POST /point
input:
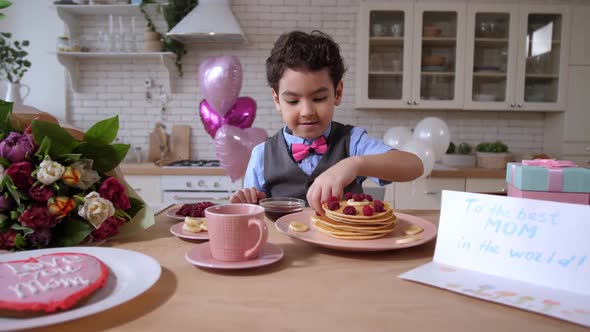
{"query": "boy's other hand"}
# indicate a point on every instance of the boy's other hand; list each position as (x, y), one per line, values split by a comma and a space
(331, 183)
(248, 195)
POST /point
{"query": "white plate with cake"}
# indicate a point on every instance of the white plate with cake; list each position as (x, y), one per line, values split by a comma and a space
(127, 274)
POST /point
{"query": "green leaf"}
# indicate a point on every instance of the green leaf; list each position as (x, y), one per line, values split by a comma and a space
(61, 141)
(106, 157)
(19, 227)
(68, 158)
(4, 162)
(2, 16)
(20, 242)
(71, 231)
(104, 131)
(136, 206)
(43, 148)
(7, 184)
(4, 4)
(5, 222)
(5, 111)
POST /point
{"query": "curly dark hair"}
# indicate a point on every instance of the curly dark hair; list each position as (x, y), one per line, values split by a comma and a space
(304, 51)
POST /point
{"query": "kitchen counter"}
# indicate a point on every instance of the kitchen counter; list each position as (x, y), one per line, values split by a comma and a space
(152, 169)
(310, 289)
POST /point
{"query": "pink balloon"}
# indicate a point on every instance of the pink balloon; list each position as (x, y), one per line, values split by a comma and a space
(241, 115)
(233, 146)
(220, 81)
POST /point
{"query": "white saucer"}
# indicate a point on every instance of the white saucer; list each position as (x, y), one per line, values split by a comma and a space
(200, 255)
(177, 230)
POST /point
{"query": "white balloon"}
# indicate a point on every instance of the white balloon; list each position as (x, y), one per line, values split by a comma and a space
(424, 151)
(435, 132)
(396, 137)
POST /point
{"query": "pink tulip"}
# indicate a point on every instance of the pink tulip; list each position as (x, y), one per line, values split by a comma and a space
(16, 147)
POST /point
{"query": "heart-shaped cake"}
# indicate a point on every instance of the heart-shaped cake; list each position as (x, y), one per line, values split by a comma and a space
(49, 283)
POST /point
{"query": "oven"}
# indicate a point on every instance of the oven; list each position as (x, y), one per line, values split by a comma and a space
(183, 189)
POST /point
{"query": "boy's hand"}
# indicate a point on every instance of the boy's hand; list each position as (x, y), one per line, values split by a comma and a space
(332, 183)
(248, 195)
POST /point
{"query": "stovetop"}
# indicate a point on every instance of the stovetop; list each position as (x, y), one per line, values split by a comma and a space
(194, 163)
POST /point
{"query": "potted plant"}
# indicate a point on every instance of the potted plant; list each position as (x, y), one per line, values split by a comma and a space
(13, 65)
(173, 12)
(492, 155)
(459, 156)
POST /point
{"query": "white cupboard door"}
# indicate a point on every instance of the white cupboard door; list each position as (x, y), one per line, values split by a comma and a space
(580, 43)
(544, 34)
(577, 116)
(425, 194)
(148, 187)
(439, 55)
(384, 54)
(491, 52)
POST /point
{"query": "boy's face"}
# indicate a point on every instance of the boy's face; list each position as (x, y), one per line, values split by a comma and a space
(306, 101)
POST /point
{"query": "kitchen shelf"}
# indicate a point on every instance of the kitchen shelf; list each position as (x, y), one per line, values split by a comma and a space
(386, 41)
(439, 41)
(491, 42)
(70, 13)
(71, 60)
(386, 73)
(542, 76)
(438, 73)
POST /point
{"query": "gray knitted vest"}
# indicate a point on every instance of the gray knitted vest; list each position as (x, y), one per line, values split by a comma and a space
(282, 175)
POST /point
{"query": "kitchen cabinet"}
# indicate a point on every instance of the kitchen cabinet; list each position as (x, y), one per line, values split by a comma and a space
(71, 15)
(148, 187)
(580, 43)
(576, 134)
(485, 185)
(424, 194)
(410, 55)
(517, 57)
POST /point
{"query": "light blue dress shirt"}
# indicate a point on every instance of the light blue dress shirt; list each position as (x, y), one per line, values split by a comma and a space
(361, 144)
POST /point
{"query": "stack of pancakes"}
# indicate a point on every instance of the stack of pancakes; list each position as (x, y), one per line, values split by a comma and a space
(356, 227)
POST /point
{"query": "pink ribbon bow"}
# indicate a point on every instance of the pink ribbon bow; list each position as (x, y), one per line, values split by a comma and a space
(549, 163)
(301, 151)
(555, 181)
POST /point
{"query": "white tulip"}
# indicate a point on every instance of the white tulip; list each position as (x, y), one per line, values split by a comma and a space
(49, 171)
(96, 209)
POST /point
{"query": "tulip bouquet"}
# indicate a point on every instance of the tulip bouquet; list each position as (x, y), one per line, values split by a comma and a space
(57, 190)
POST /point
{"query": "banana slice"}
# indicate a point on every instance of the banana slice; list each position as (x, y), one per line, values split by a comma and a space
(352, 202)
(406, 240)
(298, 227)
(413, 230)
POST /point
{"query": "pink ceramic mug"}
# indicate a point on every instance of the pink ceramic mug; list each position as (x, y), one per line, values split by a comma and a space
(237, 232)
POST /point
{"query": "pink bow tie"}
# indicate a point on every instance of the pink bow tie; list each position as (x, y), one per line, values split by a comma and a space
(300, 151)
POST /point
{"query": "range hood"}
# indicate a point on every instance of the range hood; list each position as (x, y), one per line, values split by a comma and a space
(211, 21)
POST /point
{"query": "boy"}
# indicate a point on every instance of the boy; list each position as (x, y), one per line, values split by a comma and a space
(305, 73)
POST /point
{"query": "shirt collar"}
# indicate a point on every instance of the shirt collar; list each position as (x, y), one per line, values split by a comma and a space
(290, 138)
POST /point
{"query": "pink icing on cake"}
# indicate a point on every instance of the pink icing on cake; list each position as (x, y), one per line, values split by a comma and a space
(50, 282)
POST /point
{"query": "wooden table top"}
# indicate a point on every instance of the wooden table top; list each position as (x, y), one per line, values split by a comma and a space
(310, 289)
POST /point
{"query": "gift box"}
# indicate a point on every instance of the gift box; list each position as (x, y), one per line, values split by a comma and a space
(548, 175)
(563, 197)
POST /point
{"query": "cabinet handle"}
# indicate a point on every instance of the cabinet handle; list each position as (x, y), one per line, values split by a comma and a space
(512, 105)
(137, 189)
(519, 105)
(503, 190)
(588, 148)
(415, 102)
(409, 102)
(431, 192)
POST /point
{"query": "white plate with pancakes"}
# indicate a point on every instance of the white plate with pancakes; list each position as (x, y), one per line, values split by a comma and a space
(396, 239)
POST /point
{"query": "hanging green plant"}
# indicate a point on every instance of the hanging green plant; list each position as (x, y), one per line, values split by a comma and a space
(173, 12)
